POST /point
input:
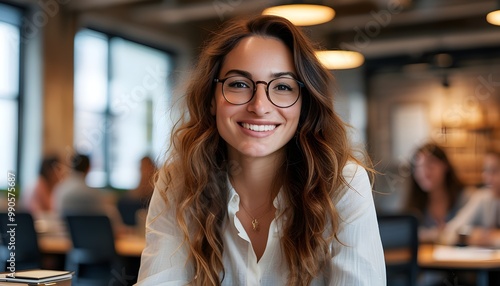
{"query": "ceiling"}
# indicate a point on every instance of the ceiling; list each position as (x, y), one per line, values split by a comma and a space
(377, 28)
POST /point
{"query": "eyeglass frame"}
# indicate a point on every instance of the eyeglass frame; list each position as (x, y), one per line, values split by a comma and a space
(221, 81)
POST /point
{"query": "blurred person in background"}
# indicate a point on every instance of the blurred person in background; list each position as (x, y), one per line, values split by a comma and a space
(145, 188)
(138, 199)
(479, 221)
(435, 191)
(73, 196)
(38, 199)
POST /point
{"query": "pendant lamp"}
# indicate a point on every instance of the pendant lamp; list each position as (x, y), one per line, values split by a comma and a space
(340, 59)
(494, 16)
(302, 14)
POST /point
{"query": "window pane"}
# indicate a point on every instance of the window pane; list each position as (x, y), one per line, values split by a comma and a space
(121, 100)
(9, 60)
(138, 83)
(91, 73)
(8, 142)
(91, 100)
(89, 139)
(9, 94)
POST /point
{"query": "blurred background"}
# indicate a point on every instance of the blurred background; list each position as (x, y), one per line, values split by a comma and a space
(104, 77)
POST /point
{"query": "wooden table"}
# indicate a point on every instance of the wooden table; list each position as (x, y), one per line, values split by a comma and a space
(55, 245)
(126, 245)
(481, 265)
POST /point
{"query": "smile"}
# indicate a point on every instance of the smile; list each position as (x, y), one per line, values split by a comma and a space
(258, 128)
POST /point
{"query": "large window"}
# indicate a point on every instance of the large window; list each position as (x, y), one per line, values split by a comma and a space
(121, 99)
(9, 90)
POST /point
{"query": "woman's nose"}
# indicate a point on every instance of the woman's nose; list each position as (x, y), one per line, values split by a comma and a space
(260, 104)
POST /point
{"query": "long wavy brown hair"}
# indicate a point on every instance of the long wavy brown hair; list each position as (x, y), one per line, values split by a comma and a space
(197, 169)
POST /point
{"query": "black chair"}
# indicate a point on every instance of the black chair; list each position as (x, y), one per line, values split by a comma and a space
(19, 233)
(399, 234)
(93, 257)
(128, 208)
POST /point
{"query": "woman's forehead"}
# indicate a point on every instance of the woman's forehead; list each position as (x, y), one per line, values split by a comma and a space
(258, 56)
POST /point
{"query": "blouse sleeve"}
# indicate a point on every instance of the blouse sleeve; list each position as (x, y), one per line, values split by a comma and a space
(358, 257)
(164, 259)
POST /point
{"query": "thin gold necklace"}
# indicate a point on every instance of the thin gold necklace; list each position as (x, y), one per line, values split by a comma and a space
(255, 221)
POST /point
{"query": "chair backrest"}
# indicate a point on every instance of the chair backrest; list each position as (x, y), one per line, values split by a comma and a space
(93, 256)
(128, 208)
(92, 233)
(399, 235)
(19, 231)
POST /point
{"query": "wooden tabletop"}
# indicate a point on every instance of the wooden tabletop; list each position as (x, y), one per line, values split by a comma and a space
(126, 245)
(397, 256)
(458, 258)
(132, 246)
(431, 256)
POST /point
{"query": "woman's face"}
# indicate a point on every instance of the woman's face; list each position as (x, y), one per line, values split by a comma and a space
(257, 128)
(429, 172)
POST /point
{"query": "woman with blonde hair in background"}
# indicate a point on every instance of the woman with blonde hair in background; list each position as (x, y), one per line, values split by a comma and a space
(261, 187)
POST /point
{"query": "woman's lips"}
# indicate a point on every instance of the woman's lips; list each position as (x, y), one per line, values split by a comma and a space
(258, 127)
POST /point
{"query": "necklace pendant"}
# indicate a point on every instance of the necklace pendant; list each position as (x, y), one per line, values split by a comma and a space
(255, 224)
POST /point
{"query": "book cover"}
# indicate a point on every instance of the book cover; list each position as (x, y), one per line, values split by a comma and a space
(38, 276)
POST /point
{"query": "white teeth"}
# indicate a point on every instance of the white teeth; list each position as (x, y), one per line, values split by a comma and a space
(258, 128)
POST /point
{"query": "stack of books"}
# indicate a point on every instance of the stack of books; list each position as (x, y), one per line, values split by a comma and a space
(37, 277)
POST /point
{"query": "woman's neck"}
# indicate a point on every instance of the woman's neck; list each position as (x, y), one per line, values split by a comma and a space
(254, 179)
(439, 196)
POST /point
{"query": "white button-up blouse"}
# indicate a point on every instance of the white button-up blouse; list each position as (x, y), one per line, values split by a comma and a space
(358, 261)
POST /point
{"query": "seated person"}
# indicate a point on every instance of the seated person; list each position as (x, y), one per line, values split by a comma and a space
(73, 196)
(480, 218)
(38, 199)
(436, 192)
(145, 188)
(138, 198)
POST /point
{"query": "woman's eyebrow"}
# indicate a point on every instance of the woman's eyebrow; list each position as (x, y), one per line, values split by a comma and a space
(280, 74)
(239, 72)
(249, 75)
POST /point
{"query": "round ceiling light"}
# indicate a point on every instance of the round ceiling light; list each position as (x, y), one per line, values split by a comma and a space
(339, 59)
(493, 17)
(302, 14)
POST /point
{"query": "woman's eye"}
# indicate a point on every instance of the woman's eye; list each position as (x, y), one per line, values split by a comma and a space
(238, 84)
(283, 87)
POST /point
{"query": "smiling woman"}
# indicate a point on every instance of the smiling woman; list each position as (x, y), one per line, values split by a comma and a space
(262, 187)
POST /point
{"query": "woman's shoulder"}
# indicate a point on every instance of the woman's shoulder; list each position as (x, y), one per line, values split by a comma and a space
(356, 198)
(357, 183)
(355, 174)
(351, 167)
(164, 193)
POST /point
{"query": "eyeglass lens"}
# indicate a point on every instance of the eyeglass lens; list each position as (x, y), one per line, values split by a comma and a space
(282, 92)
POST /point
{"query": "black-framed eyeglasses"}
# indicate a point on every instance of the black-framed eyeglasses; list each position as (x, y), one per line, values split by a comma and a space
(283, 92)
